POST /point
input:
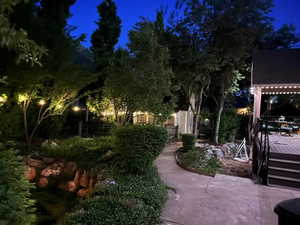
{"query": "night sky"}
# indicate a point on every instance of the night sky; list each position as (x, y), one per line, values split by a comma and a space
(85, 14)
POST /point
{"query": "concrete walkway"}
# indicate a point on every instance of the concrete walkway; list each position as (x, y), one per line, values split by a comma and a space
(223, 200)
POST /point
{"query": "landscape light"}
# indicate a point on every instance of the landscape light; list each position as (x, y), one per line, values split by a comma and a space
(76, 108)
(42, 102)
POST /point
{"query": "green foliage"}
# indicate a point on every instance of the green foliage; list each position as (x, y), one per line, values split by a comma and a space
(200, 161)
(100, 128)
(134, 200)
(11, 123)
(139, 146)
(106, 35)
(140, 79)
(16, 208)
(284, 37)
(17, 39)
(229, 126)
(86, 152)
(188, 141)
(52, 204)
(52, 128)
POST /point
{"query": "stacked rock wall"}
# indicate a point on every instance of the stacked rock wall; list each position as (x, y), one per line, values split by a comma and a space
(65, 175)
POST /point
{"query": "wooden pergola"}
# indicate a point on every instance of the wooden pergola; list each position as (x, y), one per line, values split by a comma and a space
(274, 72)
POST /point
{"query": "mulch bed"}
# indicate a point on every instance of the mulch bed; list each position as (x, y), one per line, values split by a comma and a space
(236, 168)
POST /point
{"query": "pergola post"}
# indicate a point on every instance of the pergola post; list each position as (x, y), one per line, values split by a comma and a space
(257, 104)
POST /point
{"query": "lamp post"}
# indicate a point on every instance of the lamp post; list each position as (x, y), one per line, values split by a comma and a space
(77, 109)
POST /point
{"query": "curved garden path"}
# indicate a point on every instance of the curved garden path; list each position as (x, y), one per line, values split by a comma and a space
(223, 200)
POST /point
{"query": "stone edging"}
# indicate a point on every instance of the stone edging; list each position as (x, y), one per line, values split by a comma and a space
(186, 168)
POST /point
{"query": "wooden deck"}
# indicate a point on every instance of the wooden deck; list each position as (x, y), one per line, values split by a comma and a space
(285, 144)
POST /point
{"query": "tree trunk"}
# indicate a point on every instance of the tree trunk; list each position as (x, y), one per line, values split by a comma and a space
(196, 114)
(217, 125)
(29, 143)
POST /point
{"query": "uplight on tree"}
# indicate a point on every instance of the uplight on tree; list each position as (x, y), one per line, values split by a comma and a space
(22, 98)
(3, 99)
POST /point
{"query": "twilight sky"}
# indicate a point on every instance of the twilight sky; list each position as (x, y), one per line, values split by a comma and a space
(85, 14)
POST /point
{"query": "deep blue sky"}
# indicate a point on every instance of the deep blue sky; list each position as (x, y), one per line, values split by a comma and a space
(85, 14)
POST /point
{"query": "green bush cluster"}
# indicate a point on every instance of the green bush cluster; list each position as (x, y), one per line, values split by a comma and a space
(133, 200)
(11, 124)
(86, 152)
(16, 208)
(200, 161)
(140, 145)
(189, 141)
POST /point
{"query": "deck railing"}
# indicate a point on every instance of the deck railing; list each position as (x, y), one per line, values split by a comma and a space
(261, 150)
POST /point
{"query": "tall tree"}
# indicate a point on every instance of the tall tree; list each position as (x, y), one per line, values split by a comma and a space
(191, 66)
(107, 34)
(230, 28)
(54, 32)
(140, 80)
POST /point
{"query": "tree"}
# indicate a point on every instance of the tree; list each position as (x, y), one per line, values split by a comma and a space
(284, 37)
(152, 71)
(230, 29)
(140, 80)
(53, 94)
(55, 33)
(191, 66)
(106, 36)
(17, 39)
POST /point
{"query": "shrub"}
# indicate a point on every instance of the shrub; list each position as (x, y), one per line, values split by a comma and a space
(11, 124)
(16, 207)
(188, 141)
(133, 200)
(86, 152)
(140, 145)
(200, 161)
(98, 127)
(229, 126)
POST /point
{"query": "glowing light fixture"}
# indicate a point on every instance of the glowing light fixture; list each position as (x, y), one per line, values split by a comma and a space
(76, 108)
(42, 102)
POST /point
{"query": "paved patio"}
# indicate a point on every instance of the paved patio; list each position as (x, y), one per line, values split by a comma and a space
(285, 144)
(223, 200)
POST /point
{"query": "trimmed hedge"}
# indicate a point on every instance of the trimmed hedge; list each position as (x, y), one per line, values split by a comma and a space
(133, 200)
(16, 207)
(189, 141)
(139, 146)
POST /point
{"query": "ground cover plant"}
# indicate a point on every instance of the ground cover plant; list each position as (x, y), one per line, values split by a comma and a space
(199, 161)
(86, 152)
(129, 200)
